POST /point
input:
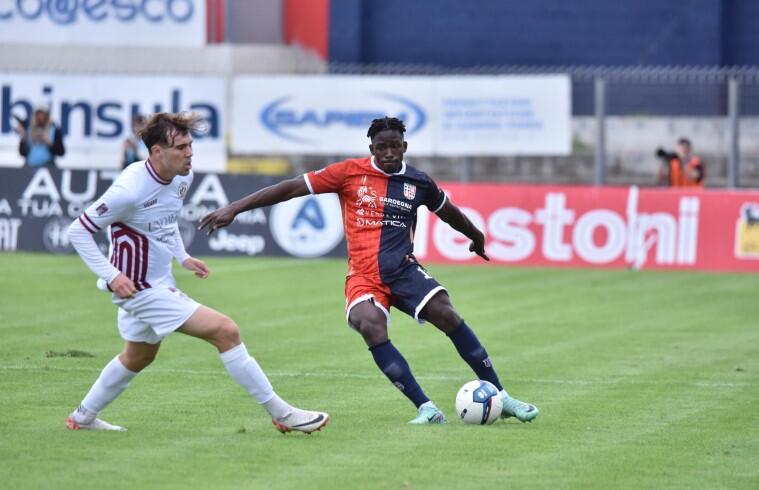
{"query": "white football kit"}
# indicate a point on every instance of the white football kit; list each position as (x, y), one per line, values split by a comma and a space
(142, 211)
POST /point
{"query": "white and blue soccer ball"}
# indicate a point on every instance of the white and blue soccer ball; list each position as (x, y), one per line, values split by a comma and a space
(478, 402)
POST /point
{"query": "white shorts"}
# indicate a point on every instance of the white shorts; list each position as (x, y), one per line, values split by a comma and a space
(153, 313)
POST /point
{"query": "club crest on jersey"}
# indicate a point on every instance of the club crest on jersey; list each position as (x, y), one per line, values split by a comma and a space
(182, 189)
(409, 191)
(102, 209)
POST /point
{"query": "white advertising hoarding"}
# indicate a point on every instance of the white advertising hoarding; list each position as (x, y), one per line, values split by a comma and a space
(95, 113)
(446, 116)
(504, 115)
(326, 115)
(104, 22)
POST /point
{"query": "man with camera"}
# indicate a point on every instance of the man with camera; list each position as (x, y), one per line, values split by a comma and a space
(680, 168)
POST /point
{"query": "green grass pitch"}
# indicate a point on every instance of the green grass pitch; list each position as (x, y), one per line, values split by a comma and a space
(644, 380)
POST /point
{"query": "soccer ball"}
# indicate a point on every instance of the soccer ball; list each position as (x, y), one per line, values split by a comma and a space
(478, 402)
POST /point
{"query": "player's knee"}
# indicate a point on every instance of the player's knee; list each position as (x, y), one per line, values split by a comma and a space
(137, 361)
(227, 333)
(374, 331)
(446, 319)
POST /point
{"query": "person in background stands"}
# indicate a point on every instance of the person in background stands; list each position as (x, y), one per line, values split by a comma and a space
(680, 168)
(40, 140)
(134, 150)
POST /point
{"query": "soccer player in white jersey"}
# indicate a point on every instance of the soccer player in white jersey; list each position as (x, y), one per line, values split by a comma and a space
(141, 209)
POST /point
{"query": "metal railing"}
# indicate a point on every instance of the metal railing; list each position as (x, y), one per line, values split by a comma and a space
(726, 98)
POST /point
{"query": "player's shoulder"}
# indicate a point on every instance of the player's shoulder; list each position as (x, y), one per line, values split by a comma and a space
(356, 164)
(130, 178)
(346, 167)
(413, 173)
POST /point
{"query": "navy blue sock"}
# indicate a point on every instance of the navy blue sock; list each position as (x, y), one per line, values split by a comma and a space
(471, 350)
(395, 367)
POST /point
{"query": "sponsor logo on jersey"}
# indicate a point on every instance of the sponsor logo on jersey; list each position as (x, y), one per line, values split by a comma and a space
(396, 203)
(150, 202)
(366, 195)
(102, 209)
(182, 189)
(380, 222)
(409, 191)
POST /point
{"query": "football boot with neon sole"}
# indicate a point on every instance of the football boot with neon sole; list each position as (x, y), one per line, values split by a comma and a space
(299, 420)
(96, 424)
(524, 412)
(428, 415)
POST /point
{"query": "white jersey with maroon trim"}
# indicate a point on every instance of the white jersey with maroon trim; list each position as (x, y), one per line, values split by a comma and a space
(142, 210)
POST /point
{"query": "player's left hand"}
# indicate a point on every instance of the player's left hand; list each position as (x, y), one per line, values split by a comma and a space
(217, 219)
(478, 246)
(197, 266)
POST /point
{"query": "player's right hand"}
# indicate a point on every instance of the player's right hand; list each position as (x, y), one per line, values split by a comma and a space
(217, 219)
(123, 287)
(478, 246)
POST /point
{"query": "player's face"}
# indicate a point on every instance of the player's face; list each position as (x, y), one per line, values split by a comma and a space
(388, 148)
(177, 158)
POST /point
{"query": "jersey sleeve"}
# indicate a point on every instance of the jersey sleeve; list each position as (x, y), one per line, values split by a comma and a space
(177, 246)
(116, 204)
(434, 197)
(327, 179)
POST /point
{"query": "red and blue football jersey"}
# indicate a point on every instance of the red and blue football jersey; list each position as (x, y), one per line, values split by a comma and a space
(379, 212)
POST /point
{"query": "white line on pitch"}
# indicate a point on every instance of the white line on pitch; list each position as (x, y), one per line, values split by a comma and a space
(439, 376)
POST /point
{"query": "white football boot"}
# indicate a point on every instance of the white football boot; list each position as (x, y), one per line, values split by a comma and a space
(301, 420)
(96, 424)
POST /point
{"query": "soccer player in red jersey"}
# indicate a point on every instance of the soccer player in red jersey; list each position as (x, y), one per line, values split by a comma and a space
(379, 196)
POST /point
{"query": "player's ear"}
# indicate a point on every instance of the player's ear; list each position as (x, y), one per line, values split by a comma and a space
(405, 146)
(371, 148)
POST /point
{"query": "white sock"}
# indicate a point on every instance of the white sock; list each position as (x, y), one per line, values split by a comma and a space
(504, 394)
(112, 381)
(277, 407)
(245, 370)
(430, 404)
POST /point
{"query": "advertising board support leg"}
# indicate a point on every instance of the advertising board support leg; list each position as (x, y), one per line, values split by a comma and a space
(465, 169)
(733, 117)
(600, 156)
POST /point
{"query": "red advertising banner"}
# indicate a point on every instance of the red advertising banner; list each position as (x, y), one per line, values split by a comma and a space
(600, 227)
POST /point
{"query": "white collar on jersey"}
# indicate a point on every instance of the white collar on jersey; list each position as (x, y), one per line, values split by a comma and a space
(399, 172)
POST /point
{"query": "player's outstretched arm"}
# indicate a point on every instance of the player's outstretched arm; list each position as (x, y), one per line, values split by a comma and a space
(282, 191)
(459, 222)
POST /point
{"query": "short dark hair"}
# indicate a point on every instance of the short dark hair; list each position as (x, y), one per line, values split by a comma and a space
(684, 141)
(161, 128)
(384, 123)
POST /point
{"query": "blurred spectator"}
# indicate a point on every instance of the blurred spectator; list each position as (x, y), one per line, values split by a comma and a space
(680, 168)
(40, 140)
(134, 148)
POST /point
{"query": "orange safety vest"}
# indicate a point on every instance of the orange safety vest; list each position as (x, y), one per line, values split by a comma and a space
(678, 177)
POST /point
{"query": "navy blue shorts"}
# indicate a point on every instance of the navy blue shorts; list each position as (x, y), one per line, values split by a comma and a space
(412, 290)
(409, 291)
